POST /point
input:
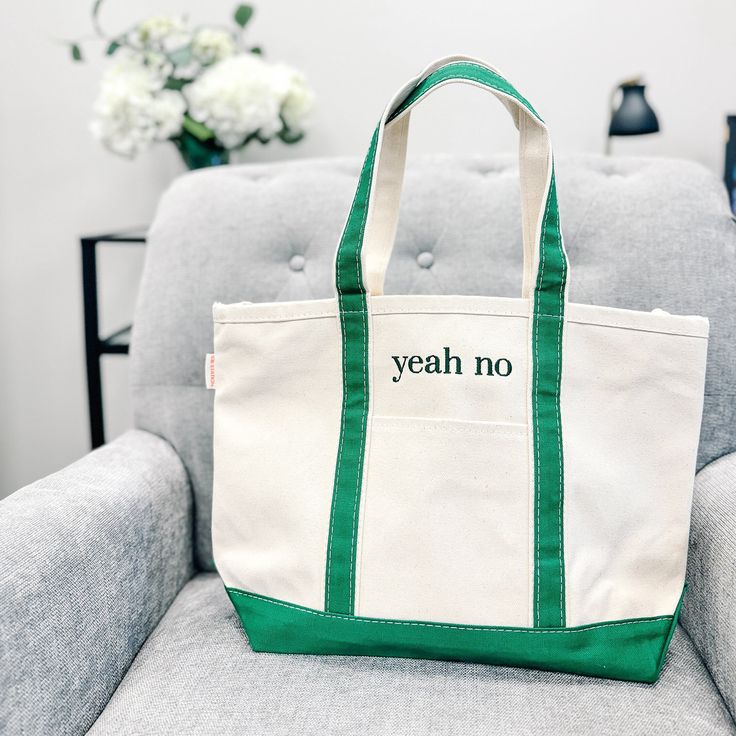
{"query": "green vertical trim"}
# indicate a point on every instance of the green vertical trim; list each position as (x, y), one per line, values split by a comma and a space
(546, 343)
(342, 541)
(546, 349)
(628, 649)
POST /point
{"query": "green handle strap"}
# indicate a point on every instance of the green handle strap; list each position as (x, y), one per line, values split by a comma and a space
(549, 268)
(349, 265)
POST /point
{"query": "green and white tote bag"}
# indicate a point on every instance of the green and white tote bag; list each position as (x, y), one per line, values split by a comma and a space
(469, 478)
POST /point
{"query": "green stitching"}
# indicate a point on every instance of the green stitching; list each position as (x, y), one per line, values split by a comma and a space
(537, 484)
(558, 390)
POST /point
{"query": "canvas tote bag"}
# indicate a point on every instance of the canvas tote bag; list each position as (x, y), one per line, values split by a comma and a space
(456, 477)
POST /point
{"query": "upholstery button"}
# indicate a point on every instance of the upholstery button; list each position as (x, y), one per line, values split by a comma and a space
(425, 259)
(296, 263)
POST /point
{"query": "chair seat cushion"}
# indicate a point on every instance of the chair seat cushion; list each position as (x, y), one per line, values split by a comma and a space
(197, 674)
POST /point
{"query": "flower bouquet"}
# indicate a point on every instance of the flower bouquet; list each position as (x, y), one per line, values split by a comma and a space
(202, 88)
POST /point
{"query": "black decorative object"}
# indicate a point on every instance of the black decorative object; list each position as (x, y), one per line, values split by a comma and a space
(116, 343)
(729, 176)
(634, 115)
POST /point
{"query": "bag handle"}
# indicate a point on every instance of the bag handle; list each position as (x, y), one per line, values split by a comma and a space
(368, 237)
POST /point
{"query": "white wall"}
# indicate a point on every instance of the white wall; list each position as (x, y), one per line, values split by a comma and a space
(57, 183)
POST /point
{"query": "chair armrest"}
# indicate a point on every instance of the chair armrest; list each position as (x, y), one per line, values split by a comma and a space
(92, 556)
(709, 609)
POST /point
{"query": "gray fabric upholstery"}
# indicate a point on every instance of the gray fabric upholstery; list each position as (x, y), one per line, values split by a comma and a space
(197, 675)
(641, 233)
(91, 559)
(709, 611)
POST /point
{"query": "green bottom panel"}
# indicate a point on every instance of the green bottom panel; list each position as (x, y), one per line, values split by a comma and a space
(632, 649)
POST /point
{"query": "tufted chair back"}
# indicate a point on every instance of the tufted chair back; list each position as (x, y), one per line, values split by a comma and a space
(640, 233)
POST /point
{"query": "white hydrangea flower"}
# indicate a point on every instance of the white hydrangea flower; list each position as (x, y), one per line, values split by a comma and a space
(237, 97)
(132, 110)
(166, 32)
(212, 44)
(167, 110)
(156, 61)
(298, 100)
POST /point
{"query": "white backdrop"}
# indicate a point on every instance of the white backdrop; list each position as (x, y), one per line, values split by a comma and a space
(57, 183)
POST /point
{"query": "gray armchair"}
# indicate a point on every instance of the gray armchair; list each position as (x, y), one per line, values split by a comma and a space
(111, 616)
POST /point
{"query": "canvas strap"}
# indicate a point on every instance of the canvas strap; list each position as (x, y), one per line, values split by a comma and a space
(535, 159)
(360, 265)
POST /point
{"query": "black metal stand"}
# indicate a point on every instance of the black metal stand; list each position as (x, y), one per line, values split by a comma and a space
(96, 346)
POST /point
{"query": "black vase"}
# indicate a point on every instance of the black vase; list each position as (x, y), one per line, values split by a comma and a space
(199, 154)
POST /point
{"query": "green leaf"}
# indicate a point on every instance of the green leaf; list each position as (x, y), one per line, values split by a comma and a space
(200, 131)
(175, 83)
(256, 50)
(76, 52)
(243, 13)
(290, 136)
(181, 57)
(112, 48)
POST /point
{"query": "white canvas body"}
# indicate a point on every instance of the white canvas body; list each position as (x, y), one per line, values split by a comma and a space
(446, 514)
(446, 489)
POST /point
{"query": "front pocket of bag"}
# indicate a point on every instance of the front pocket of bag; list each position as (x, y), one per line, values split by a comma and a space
(445, 522)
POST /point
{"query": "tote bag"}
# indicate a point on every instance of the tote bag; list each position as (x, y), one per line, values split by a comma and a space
(495, 480)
